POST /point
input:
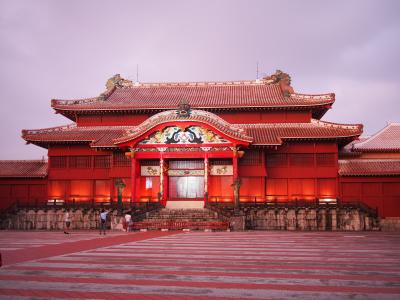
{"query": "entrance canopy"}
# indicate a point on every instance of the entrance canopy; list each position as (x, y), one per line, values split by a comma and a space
(177, 137)
(184, 130)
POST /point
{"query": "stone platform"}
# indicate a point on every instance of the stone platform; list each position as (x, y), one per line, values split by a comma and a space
(217, 266)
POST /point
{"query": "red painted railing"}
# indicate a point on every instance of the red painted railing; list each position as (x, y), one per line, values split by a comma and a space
(180, 225)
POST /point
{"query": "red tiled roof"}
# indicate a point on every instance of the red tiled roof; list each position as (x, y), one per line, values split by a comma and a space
(260, 134)
(97, 136)
(23, 168)
(275, 133)
(203, 95)
(386, 140)
(369, 167)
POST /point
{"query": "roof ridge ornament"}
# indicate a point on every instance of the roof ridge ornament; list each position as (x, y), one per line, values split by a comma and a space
(115, 81)
(284, 81)
(184, 109)
(118, 81)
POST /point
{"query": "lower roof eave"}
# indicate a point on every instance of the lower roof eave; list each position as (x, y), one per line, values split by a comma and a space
(23, 177)
(322, 109)
(370, 175)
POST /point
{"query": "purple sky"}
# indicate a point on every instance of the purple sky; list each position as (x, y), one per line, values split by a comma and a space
(68, 49)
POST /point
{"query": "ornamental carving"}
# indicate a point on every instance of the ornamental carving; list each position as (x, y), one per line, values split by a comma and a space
(185, 172)
(189, 135)
(183, 109)
(150, 170)
(221, 170)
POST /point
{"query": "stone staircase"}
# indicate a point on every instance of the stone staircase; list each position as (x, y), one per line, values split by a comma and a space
(181, 219)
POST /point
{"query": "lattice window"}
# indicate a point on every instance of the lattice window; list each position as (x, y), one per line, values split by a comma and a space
(150, 162)
(102, 162)
(301, 159)
(80, 162)
(58, 162)
(326, 159)
(251, 158)
(120, 160)
(277, 160)
(221, 162)
(186, 164)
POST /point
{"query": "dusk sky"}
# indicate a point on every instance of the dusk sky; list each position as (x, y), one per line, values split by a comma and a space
(68, 50)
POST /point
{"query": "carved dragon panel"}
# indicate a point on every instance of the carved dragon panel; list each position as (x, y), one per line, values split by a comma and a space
(189, 135)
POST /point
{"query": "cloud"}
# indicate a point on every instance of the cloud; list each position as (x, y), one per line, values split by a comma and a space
(68, 49)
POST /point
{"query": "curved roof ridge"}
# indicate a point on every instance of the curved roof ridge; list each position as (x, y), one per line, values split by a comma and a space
(322, 96)
(50, 129)
(333, 124)
(201, 83)
(313, 121)
(73, 101)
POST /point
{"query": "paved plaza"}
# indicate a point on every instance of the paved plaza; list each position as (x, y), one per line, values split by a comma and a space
(200, 265)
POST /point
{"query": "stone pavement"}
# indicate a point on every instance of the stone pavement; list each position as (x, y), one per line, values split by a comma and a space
(198, 265)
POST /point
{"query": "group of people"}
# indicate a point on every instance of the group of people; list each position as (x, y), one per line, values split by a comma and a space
(127, 224)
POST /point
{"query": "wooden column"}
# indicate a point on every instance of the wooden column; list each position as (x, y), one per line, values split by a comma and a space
(236, 182)
(205, 178)
(133, 179)
(161, 193)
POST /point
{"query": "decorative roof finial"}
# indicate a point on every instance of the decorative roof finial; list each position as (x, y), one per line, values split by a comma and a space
(283, 79)
(118, 81)
(183, 109)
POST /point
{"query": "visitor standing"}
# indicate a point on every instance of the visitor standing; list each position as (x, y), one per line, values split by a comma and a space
(128, 221)
(67, 222)
(103, 221)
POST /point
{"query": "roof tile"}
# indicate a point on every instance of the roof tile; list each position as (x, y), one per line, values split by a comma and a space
(199, 95)
(369, 167)
(23, 168)
(261, 134)
(386, 140)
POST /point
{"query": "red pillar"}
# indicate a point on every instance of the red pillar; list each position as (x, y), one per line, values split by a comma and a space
(205, 178)
(162, 179)
(235, 172)
(133, 180)
(166, 180)
(235, 167)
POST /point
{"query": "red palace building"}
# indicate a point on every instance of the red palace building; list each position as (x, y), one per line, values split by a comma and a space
(186, 144)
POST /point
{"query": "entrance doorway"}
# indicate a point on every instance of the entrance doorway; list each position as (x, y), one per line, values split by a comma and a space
(186, 184)
(186, 188)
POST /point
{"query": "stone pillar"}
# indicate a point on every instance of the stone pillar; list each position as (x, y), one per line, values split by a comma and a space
(333, 218)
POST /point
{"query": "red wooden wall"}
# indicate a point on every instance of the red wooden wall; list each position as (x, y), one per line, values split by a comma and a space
(232, 117)
(377, 192)
(303, 171)
(23, 191)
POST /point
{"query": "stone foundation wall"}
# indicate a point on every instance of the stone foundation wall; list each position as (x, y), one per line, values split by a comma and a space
(310, 219)
(54, 220)
(304, 219)
(390, 224)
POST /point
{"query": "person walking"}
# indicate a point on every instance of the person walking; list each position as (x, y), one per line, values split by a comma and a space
(67, 222)
(128, 221)
(103, 221)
